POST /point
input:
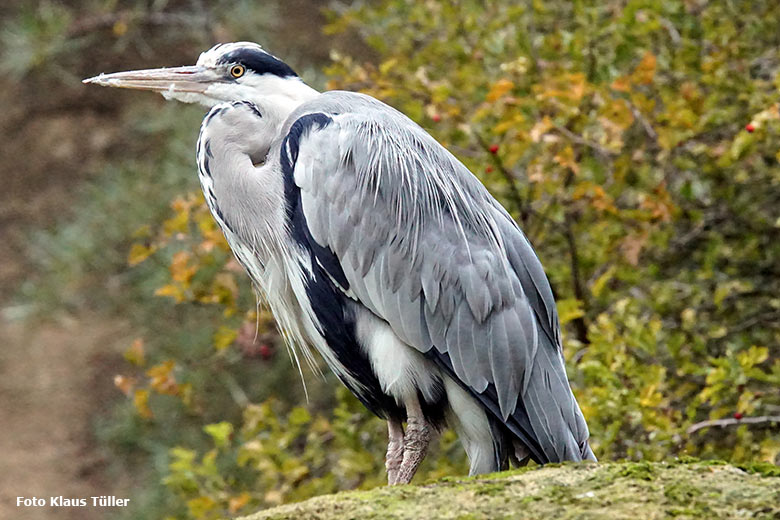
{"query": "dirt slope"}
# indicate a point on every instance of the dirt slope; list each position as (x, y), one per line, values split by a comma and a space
(53, 379)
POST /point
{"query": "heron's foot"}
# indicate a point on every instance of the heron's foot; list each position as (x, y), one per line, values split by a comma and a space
(395, 451)
(418, 435)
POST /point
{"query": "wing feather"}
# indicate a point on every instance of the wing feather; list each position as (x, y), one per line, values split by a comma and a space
(424, 246)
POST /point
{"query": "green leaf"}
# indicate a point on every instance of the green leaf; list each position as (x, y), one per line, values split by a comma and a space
(220, 433)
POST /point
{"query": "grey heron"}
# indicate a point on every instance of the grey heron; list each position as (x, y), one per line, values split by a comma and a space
(375, 247)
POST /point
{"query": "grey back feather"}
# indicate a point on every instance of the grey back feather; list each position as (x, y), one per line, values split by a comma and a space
(428, 249)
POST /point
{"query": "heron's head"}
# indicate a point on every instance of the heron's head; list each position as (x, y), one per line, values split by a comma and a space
(226, 72)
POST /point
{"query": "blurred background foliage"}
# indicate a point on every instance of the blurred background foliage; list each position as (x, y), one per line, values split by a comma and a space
(635, 141)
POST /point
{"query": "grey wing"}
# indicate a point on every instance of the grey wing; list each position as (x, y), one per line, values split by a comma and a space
(405, 229)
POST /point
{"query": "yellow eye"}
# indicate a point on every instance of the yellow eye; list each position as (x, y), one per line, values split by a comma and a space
(237, 71)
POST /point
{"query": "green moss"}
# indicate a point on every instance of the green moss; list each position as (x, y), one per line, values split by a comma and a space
(626, 490)
(762, 468)
(637, 470)
(492, 488)
(681, 492)
(682, 511)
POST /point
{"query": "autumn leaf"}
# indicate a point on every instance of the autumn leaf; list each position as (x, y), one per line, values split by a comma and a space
(621, 84)
(141, 403)
(181, 269)
(237, 502)
(659, 204)
(162, 379)
(566, 159)
(142, 232)
(569, 309)
(201, 506)
(618, 114)
(171, 290)
(139, 253)
(387, 66)
(569, 87)
(177, 223)
(499, 89)
(516, 121)
(135, 354)
(224, 337)
(645, 71)
(598, 285)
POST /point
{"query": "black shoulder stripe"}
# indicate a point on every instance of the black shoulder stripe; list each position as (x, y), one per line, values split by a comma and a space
(292, 140)
(300, 230)
(335, 316)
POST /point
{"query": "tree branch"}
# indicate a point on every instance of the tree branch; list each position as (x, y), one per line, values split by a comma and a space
(510, 179)
(571, 136)
(580, 327)
(722, 423)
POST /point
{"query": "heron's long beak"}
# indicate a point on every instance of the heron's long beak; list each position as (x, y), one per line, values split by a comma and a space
(175, 79)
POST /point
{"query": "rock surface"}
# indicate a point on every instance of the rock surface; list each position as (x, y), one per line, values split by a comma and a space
(625, 490)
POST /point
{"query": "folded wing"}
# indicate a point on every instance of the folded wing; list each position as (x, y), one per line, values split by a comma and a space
(401, 226)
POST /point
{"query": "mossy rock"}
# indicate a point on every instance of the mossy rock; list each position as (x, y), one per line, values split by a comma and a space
(624, 490)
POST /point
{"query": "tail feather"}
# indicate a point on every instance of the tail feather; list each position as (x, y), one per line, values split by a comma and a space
(547, 420)
(551, 411)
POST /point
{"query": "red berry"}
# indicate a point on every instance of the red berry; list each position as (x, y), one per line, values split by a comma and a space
(265, 351)
(750, 128)
(488, 169)
(493, 148)
(737, 416)
(436, 118)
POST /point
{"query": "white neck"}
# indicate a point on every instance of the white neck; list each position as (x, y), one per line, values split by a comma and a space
(249, 198)
(275, 97)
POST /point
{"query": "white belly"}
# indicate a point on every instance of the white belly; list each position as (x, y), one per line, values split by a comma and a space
(402, 370)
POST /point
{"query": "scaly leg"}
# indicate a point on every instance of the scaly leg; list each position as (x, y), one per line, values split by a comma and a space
(416, 440)
(395, 450)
